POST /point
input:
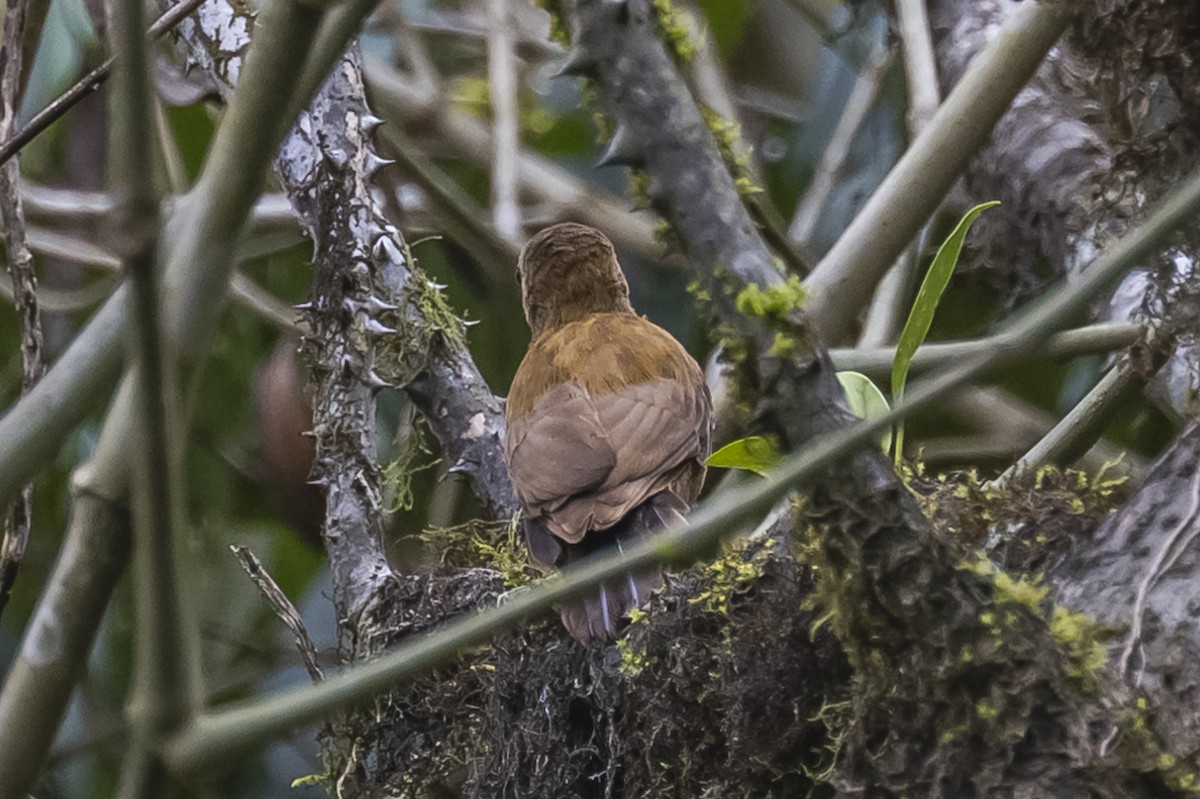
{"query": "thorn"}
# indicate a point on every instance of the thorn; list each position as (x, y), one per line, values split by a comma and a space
(304, 306)
(459, 467)
(470, 322)
(622, 151)
(386, 249)
(373, 163)
(578, 64)
(352, 305)
(370, 123)
(376, 305)
(375, 381)
(377, 328)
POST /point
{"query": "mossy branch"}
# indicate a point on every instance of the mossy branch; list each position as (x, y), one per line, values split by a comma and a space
(252, 723)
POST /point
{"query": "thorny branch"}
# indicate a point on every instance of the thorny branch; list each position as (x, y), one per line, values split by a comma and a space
(24, 283)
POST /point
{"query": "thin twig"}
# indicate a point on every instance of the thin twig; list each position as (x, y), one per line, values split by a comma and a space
(64, 300)
(24, 283)
(283, 607)
(1080, 428)
(833, 160)
(86, 85)
(79, 205)
(993, 411)
(244, 291)
(1089, 340)
(400, 101)
(920, 64)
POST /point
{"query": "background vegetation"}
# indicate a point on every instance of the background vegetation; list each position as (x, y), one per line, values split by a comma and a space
(809, 104)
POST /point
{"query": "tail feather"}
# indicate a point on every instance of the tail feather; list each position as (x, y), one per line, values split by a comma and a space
(598, 615)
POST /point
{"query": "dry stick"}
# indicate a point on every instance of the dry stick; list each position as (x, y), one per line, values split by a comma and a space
(228, 731)
(24, 288)
(86, 85)
(283, 607)
(849, 272)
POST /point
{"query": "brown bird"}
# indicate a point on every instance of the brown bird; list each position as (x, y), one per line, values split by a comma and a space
(609, 419)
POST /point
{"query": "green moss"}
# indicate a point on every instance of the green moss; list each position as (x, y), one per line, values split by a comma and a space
(774, 303)
(398, 475)
(558, 25)
(639, 189)
(479, 543)
(727, 574)
(632, 649)
(985, 710)
(1080, 637)
(783, 346)
(700, 292)
(734, 151)
(677, 33)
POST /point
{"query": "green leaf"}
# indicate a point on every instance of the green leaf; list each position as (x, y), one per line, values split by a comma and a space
(921, 316)
(866, 401)
(754, 454)
(309, 779)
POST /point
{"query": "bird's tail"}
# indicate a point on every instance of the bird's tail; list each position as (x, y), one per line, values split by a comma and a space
(599, 615)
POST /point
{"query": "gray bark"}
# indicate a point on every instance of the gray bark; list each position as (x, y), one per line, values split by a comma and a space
(1138, 574)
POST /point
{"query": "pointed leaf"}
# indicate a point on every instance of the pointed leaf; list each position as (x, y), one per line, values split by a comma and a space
(930, 294)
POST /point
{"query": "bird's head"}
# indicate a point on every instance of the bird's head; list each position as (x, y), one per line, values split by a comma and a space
(567, 272)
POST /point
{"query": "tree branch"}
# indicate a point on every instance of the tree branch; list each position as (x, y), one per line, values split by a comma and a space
(24, 283)
(166, 660)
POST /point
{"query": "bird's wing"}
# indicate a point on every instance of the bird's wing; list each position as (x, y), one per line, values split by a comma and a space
(658, 433)
(559, 450)
(654, 427)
